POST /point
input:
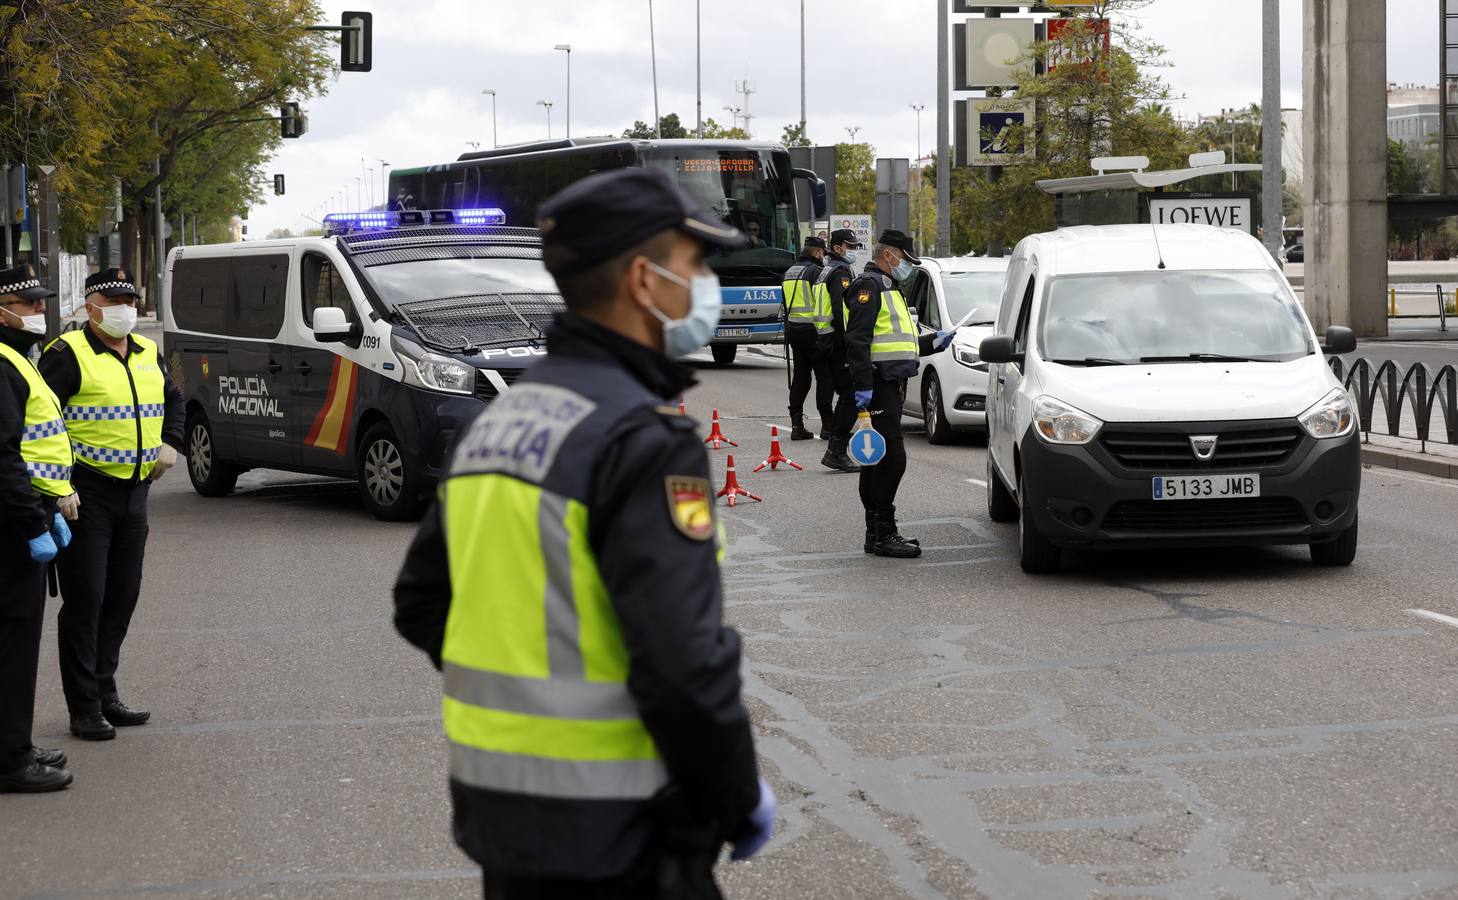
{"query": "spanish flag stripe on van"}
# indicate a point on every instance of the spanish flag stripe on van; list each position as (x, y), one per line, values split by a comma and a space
(330, 430)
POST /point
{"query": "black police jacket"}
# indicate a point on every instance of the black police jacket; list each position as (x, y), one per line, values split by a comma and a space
(837, 277)
(683, 662)
(860, 329)
(24, 512)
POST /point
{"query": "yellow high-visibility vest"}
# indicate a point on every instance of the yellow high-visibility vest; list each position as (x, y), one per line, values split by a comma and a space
(44, 446)
(115, 418)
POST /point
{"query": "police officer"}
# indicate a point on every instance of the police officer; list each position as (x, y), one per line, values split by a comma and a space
(883, 347)
(567, 581)
(805, 322)
(35, 473)
(830, 288)
(125, 417)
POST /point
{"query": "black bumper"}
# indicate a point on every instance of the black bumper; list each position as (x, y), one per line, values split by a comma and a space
(1083, 496)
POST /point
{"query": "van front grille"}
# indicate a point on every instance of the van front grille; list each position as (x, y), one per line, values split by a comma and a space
(1171, 451)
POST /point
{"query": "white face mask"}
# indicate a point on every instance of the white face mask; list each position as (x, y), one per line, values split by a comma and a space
(849, 256)
(117, 321)
(35, 324)
(683, 336)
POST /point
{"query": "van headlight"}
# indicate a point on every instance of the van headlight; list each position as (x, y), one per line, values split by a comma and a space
(967, 356)
(1332, 416)
(431, 370)
(1059, 423)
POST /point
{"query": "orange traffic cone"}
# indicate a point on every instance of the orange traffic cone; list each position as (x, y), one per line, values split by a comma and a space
(776, 457)
(682, 410)
(716, 436)
(732, 488)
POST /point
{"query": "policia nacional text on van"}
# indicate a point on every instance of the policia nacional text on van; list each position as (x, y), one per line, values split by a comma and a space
(35, 488)
(567, 581)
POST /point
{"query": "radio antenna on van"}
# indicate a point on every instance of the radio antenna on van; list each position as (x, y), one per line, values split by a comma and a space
(1159, 251)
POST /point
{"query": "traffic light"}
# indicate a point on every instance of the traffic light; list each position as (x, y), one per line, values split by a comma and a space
(293, 122)
(278, 185)
(355, 52)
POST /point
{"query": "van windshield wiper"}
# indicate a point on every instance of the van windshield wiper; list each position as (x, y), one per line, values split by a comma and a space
(1204, 357)
(1090, 361)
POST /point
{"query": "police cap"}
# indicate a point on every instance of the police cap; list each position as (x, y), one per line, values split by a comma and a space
(901, 241)
(845, 237)
(815, 242)
(21, 282)
(111, 283)
(604, 215)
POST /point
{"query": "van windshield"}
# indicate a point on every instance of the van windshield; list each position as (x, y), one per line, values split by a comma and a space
(432, 279)
(1156, 317)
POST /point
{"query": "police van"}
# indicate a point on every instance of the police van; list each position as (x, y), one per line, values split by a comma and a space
(359, 354)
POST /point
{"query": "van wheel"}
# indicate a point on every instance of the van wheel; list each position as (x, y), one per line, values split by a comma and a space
(1039, 555)
(1339, 552)
(938, 429)
(724, 353)
(211, 477)
(1001, 505)
(387, 487)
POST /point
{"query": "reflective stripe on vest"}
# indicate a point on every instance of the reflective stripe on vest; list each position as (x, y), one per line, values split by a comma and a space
(800, 303)
(536, 697)
(45, 447)
(895, 338)
(116, 431)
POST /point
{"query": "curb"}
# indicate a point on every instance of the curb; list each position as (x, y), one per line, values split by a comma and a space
(1402, 460)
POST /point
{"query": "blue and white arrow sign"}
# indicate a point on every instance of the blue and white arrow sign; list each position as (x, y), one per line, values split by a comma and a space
(867, 447)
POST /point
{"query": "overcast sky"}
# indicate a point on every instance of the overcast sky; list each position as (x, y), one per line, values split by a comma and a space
(432, 58)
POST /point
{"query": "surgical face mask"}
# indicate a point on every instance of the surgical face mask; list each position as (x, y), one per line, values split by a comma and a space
(903, 270)
(683, 336)
(35, 324)
(849, 256)
(117, 321)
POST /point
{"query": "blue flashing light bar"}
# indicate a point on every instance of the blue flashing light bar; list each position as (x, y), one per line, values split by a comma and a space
(337, 223)
(488, 216)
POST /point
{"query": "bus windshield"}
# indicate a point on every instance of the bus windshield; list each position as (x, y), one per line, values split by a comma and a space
(751, 190)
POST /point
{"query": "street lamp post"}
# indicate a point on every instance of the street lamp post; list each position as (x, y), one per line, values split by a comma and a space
(733, 112)
(699, 65)
(493, 116)
(802, 69)
(918, 107)
(548, 105)
(384, 186)
(851, 130)
(653, 54)
(567, 48)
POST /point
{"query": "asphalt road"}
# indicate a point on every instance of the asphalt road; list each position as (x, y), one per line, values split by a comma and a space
(1213, 724)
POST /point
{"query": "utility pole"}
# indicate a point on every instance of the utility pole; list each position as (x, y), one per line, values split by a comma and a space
(802, 70)
(699, 64)
(918, 107)
(493, 117)
(568, 49)
(155, 300)
(384, 184)
(653, 55)
(944, 152)
(1271, 193)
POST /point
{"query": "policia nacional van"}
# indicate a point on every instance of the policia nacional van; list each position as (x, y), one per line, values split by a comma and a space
(359, 354)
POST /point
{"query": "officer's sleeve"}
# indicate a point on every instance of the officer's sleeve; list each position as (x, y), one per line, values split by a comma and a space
(21, 508)
(838, 283)
(423, 588)
(653, 534)
(925, 343)
(174, 415)
(864, 305)
(59, 368)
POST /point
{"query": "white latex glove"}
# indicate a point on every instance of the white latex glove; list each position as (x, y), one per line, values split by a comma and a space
(166, 459)
(70, 507)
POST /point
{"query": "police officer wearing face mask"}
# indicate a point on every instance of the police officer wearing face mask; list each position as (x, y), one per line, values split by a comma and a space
(567, 581)
(883, 348)
(35, 472)
(830, 289)
(807, 341)
(125, 417)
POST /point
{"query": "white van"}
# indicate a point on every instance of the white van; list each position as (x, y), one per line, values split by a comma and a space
(360, 354)
(1162, 387)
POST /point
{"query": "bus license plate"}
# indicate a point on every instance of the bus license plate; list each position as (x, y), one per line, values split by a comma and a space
(1206, 487)
(732, 332)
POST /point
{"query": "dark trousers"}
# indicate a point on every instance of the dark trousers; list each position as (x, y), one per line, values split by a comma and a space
(101, 578)
(844, 417)
(22, 611)
(880, 482)
(654, 876)
(809, 361)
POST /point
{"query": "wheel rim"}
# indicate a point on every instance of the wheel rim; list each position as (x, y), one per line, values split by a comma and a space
(384, 472)
(933, 407)
(200, 455)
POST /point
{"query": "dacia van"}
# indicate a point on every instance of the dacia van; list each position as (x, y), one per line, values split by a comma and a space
(1157, 387)
(358, 354)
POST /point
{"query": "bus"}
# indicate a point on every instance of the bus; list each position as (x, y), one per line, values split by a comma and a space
(750, 185)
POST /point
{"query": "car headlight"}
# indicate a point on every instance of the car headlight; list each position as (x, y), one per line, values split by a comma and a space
(431, 370)
(967, 356)
(1332, 416)
(1059, 423)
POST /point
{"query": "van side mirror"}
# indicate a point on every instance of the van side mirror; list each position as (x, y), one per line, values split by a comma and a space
(331, 326)
(999, 349)
(1339, 339)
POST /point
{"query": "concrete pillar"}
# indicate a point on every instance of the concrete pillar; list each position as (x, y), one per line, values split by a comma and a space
(1344, 80)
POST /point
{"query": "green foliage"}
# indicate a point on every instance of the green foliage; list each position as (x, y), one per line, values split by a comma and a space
(794, 136)
(670, 125)
(855, 179)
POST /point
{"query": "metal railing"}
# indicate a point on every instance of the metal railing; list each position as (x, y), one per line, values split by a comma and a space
(1417, 387)
(1437, 293)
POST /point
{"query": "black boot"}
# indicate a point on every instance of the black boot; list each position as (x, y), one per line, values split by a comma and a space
(798, 432)
(870, 544)
(889, 542)
(836, 458)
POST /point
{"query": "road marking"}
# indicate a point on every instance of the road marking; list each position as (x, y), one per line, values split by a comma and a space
(1436, 617)
(977, 481)
(1415, 477)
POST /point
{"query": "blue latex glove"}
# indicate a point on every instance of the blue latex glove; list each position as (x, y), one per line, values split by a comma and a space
(43, 548)
(942, 339)
(759, 828)
(863, 399)
(62, 531)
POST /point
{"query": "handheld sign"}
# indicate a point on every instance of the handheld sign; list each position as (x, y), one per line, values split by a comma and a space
(867, 447)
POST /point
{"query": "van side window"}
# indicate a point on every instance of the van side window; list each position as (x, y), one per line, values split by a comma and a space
(926, 303)
(323, 286)
(259, 285)
(1020, 336)
(200, 291)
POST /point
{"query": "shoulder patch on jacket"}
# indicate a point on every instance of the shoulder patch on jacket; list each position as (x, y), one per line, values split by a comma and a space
(863, 297)
(689, 507)
(844, 283)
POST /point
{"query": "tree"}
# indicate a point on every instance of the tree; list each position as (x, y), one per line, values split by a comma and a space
(794, 136)
(670, 125)
(713, 131)
(855, 179)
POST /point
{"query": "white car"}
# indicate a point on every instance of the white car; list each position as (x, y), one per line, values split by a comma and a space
(1156, 388)
(950, 391)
